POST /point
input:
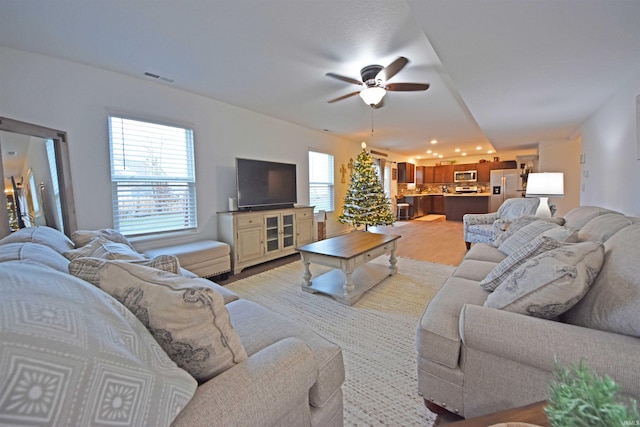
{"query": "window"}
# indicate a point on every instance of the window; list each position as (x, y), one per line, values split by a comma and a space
(152, 177)
(321, 181)
(51, 159)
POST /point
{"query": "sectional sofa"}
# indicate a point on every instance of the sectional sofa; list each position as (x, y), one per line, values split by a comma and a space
(546, 290)
(94, 333)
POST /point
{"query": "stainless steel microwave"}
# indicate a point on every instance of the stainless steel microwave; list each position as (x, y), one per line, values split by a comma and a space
(465, 176)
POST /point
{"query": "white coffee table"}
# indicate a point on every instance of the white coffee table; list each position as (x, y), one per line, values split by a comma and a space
(349, 254)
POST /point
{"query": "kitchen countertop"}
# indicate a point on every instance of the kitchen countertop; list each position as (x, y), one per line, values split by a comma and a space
(486, 194)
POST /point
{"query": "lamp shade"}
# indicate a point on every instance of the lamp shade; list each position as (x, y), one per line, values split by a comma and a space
(372, 95)
(546, 184)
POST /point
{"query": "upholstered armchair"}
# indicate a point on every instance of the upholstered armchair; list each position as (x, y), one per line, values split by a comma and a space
(484, 228)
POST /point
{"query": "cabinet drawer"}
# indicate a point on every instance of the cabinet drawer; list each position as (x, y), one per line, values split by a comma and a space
(248, 221)
(304, 215)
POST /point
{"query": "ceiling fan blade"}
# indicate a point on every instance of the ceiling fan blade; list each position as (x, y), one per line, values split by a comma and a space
(407, 87)
(344, 78)
(392, 69)
(340, 98)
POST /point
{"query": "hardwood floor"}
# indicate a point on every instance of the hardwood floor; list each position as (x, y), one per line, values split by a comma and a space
(434, 241)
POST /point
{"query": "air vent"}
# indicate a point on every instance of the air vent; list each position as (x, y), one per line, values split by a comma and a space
(156, 76)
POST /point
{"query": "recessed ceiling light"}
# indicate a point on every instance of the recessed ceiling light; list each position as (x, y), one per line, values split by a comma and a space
(435, 154)
(418, 157)
(490, 152)
(428, 151)
(464, 154)
(434, 141)
(440, 156)
(478, 148)
(457, 150)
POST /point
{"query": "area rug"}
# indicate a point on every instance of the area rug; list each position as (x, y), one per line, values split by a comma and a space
(377, 335)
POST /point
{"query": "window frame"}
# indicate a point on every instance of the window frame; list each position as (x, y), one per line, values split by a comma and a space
(175, 193)
(330, 185)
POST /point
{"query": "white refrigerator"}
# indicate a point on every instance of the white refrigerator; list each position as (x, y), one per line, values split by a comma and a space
(504, 184)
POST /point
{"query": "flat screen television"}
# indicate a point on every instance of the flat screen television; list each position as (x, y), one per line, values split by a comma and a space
(262, 184)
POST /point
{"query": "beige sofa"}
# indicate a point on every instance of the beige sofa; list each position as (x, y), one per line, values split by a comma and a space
(72, 354)
(478, 352)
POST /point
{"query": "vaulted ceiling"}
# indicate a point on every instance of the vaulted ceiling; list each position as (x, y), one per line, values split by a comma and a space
(503, 73)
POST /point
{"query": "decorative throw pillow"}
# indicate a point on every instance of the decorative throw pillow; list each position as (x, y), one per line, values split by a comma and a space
(47, 236)
(550, 283)
(512, 262)
(73, 355)
(521, 222)
(186, 316)
(89, 268)
(82, 237)
(99, 247)
(601, 228)
(525, 235)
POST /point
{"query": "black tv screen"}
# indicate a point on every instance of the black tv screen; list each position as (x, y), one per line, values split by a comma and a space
(263, 184)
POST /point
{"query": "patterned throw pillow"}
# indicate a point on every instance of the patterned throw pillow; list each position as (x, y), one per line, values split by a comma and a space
(551, 283)
(520, 256)
(186, 316)
(89, 268)
(100, 247)
(73, 355)
(525, 235)
(82, 237)
(521, 222)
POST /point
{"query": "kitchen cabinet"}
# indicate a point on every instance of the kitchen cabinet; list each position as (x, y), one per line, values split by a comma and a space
(419, 175)
(429, 174)
(443, 174)
(406, 173)
(507, 164)
(457, 206)
(437, 205)
(484, 171)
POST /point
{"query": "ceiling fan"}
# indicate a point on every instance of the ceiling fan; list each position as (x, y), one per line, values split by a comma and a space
(374, 84)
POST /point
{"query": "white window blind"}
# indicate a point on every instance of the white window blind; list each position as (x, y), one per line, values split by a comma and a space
(321, 186)
(152, 177)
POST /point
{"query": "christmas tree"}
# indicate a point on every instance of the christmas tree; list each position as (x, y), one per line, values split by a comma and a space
(365, 202)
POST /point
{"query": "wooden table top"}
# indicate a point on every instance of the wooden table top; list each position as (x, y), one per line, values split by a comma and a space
(532, 414)
(348, 245)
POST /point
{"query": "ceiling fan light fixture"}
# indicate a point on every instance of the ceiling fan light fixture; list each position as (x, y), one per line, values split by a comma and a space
(372, 95)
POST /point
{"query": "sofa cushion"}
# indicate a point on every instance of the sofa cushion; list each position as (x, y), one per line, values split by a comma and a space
(73, 355)
(34, 252)
(473, 269)
(602, 227)
(484, 252)
(439, 331)
(100, 247)
(47, 236)
(613, 301)
(520, 256)
(186, 316)
(259, 328)
(576, 218)
(533, 230)
(551, 283)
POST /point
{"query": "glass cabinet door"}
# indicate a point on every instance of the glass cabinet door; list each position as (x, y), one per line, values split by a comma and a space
(288, 231)
(272, 229)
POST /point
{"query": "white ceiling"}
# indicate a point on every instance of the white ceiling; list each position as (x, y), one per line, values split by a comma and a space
(503, 73)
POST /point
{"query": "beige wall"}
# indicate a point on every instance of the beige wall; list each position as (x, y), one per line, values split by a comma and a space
(563, 155)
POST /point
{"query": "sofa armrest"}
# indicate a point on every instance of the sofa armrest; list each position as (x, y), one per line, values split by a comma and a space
(474, 219)
(258, 391)
(539, 342)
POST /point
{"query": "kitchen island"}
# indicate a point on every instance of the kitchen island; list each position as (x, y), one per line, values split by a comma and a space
(456, 205)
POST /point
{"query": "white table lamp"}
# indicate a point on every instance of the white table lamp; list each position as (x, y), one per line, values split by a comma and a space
(545, 185)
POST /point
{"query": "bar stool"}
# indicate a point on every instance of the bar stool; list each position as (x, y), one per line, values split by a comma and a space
(399, 208)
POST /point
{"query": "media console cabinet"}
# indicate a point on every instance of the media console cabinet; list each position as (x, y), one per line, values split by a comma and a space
(263, 235)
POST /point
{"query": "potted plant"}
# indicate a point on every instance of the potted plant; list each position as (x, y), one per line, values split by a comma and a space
(579, 397)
